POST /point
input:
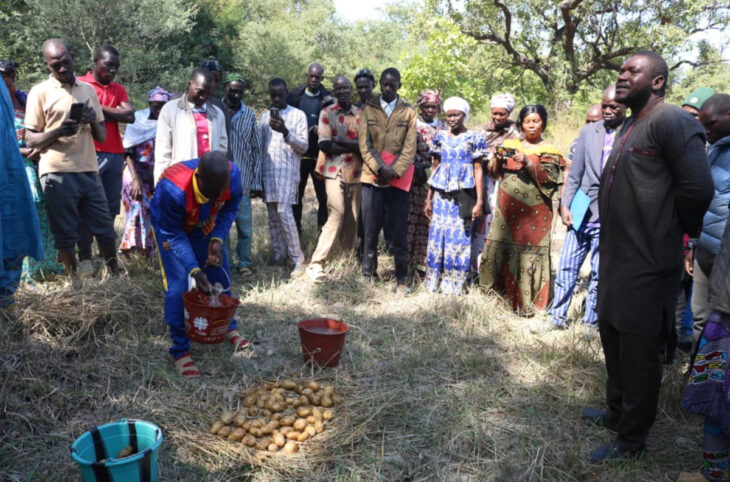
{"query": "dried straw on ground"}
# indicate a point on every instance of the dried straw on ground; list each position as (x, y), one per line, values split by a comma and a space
(435, 387)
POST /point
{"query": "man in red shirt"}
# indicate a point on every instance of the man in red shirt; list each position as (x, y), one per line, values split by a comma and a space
(110, 153)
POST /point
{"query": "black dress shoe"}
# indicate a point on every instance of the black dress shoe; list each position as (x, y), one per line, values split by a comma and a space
(613, 452)
(598, 416)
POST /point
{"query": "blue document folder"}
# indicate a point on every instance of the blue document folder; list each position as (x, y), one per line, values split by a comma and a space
(579, 207)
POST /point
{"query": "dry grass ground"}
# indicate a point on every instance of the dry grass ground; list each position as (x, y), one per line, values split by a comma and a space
(436, 387)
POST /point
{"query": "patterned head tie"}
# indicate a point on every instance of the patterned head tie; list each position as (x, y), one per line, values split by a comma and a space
(158, 94)
(429, 97)
(505, 101)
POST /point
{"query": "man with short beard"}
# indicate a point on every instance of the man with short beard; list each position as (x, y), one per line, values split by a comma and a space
(655, 186)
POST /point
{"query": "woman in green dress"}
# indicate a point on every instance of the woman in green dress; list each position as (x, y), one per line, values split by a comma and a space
(49, 265)
(516, 257)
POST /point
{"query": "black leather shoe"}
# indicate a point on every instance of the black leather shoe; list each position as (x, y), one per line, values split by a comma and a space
(612, 452)
(598, 416)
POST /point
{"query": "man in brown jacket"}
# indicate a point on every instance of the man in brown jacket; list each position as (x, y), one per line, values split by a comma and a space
(387, 129)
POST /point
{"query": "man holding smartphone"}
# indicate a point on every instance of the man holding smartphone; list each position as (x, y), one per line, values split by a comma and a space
(68, 167)
(116, 108)
(284, 140)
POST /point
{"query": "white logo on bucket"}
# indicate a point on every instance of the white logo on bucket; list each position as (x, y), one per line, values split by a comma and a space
(200, 323)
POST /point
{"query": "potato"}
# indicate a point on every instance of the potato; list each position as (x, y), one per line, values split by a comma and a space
(290, 401)
(315, 399)
(261, 445)
(318, 426)
(278, 439)
(216, 427)
(239, 420)
(237, 434)
(303, 437)
(304, 412)
(299, 424)
(267, 429)
(277, 407)
(336, 399)
(261, 403)
(291, 447)
(285, 430)
(249, 440)
(307, 391)
(313, 385)
(327, 414)
(125, 452)
(287, 420)
(249, 401)
(266, 413)
(327, 402)
(316, 413)
(258, 423)
(299, 388)
(276, 416)
(311, 419)
(274, 423)
(328, 390)
(246, 425)
(227, 417)
(272, 447)
(288, 384)
(225, 431)
(303, 400)
(255, 431)
(293, 435)
(253, 411)
(310, 430)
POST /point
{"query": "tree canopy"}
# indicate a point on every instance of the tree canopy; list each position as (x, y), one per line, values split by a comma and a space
(558, 52)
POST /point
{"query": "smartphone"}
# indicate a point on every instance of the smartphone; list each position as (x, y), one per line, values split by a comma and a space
(77, 111)
(274, 112)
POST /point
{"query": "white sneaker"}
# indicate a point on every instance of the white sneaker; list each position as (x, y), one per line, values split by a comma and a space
(315, 274)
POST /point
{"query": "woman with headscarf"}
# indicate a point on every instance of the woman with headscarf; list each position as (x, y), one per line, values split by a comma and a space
(427, 125)
(138, 178)
(516, 257)
(454, 200)
(496, 131)
(49, 265)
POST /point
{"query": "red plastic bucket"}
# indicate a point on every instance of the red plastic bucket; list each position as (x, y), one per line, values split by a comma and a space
(322, 340)
(204, 323)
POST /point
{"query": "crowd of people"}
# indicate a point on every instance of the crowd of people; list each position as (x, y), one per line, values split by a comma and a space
(459, 207)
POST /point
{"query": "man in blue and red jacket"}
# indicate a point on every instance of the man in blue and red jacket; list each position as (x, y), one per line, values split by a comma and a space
(194, 205)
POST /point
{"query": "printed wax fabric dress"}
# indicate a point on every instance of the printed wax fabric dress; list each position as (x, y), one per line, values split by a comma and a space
(516, 257)
(33, 269)
(449, 235)
(417, 221)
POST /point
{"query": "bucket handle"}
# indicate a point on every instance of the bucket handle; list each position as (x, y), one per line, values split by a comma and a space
(230, 281)
(101, 471)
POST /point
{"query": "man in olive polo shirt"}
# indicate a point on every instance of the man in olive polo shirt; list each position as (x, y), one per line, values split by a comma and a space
(68, 169)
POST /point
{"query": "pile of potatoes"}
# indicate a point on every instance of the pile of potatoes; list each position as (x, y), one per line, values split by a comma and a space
(279, 415)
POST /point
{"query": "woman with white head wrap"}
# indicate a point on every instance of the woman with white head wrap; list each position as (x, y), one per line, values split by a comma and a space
(454, 200)
(498, 130)
(137, 179)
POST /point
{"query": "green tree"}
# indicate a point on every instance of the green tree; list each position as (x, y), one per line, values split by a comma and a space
(566, 43)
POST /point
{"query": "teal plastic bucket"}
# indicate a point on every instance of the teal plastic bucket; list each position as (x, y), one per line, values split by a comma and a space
(95, 452)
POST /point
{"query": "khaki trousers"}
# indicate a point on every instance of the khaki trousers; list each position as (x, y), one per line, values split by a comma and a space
(340, 230)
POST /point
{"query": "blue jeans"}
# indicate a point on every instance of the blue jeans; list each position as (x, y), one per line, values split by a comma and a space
(244, 229)
(576, 247)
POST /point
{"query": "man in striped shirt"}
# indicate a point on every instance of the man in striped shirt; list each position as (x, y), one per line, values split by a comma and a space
(285, 137)
(246, 147)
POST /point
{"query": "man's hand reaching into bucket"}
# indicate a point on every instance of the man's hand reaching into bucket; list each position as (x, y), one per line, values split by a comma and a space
(215, 254)
(201, 282)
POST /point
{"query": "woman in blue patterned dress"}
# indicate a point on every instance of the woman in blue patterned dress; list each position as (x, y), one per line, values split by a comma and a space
(454, 200)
